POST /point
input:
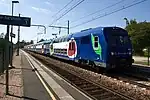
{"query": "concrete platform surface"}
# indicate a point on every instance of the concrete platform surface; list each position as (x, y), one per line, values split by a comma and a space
(56, 86)
(33, 87)
(142, 59)
(15, 82)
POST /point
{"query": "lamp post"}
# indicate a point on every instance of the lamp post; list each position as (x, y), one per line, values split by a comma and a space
(18, 43)
(127, 22)
(12, 31)
(148, 50)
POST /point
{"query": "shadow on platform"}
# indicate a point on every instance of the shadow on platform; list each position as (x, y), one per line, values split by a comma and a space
(10, 85)
(24, 68)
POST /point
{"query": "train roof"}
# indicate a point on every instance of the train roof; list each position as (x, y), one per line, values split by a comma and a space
(86, 32)
(82, 33)
(91, 30)
(77, 33)
(43, 42)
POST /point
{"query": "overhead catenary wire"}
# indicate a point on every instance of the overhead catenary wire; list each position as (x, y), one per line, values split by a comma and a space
(112, 5)
(106, 14)
(63, 8)
(67, 11)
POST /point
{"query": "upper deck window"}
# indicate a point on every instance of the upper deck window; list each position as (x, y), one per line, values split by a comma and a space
(96, 39)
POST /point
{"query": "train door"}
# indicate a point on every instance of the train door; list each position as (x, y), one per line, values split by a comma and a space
(42, 48)
(51, 49)
(85, 47)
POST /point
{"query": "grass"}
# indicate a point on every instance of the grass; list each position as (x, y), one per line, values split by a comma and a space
(143, 63)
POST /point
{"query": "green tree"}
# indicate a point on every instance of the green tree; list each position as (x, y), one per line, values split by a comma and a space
(140, 35)
(2, 35)
(31, 42)
(41, 40)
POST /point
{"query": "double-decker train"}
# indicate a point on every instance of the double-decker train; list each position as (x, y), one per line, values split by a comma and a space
(106, 47)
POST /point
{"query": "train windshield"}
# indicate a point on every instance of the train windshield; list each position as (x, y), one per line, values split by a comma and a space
(116, 36)
(119, 40)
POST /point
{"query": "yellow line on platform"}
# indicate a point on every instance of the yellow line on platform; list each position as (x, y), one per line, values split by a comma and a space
(42, 81)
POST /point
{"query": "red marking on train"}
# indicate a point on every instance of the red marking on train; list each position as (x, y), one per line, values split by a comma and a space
(72, 49)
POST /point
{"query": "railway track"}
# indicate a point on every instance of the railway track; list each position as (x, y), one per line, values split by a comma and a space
(96, 91)
(128, 75)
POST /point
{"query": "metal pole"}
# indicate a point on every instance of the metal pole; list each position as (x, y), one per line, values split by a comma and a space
(68, 26)
(59, 27)
(44, 30)
(148, 55)
(59, 30)
(18, 39)
(11, 51)
(41, 26)
(7, 61)
(37, 39)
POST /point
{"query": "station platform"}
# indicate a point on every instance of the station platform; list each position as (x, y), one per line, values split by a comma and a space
(141, 61)
(36, 82)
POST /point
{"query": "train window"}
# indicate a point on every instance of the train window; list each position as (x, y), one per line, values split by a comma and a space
(51, 46)
(65, 51)
(85, 40)
(96, 39)
(56, 40)
(96, 45)
(126, 39)
(68, 39)
(73, 45)
(61, 39)
(70, 45)
(119, 40)
(64, 39)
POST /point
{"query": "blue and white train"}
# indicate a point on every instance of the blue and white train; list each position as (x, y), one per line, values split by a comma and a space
(107, 47)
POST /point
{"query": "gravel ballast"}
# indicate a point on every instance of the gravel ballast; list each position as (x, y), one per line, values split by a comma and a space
(125, 88)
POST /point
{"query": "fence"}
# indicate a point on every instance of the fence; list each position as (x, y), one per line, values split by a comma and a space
(3, 54)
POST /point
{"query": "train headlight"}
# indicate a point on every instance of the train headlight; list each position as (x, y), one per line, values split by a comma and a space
(112, 53)
(129, 53)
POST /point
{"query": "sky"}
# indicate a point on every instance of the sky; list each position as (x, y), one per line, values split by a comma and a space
(43, 12)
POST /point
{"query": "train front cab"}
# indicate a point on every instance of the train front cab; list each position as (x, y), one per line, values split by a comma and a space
(119, 47)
